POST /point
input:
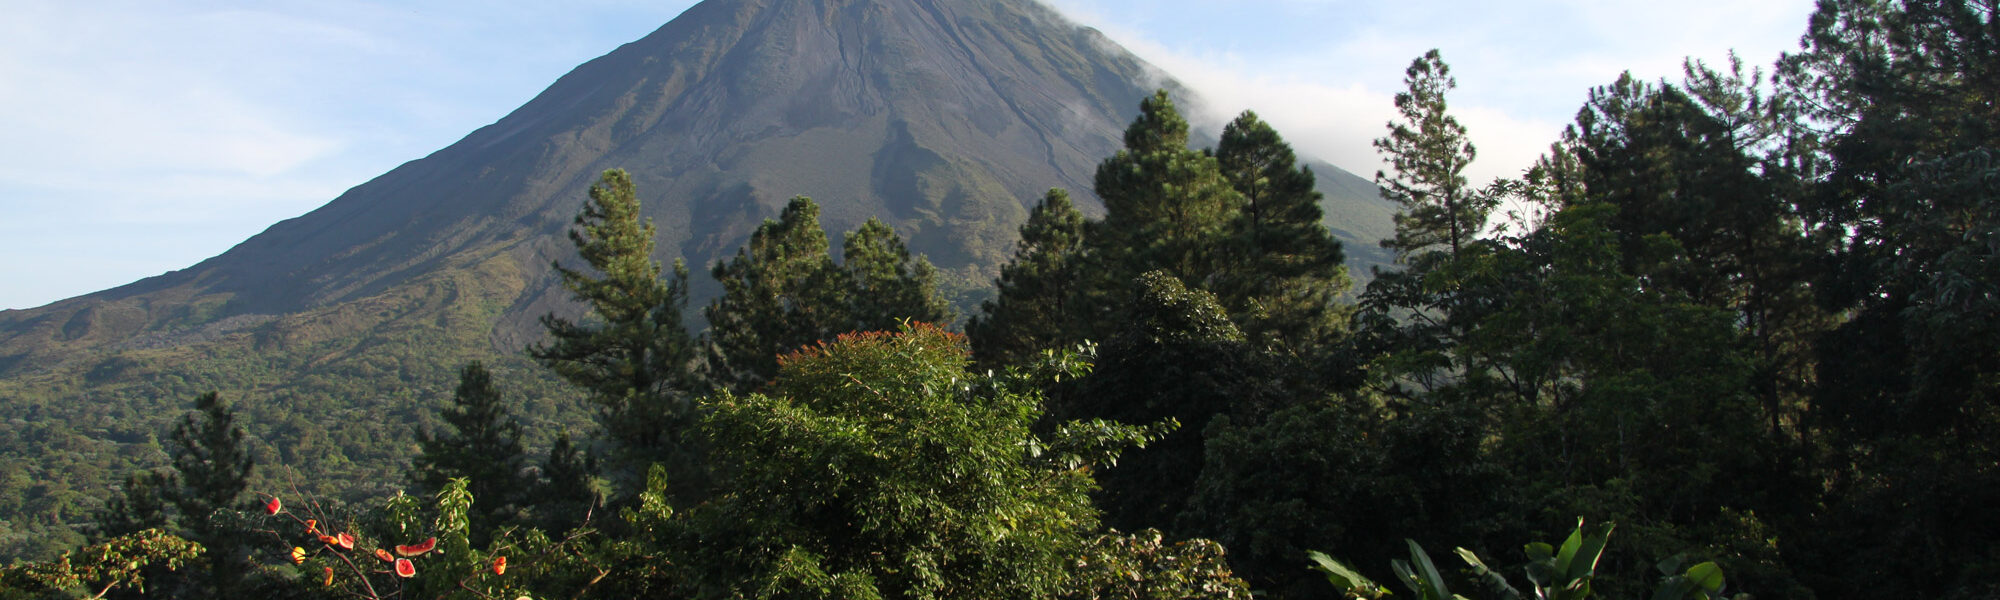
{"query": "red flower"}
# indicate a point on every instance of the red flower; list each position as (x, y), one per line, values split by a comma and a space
(405, 568)
(274, 506)
(345, 541)
(384, 555)
(417, 549)
(500, 565)
(329, 577)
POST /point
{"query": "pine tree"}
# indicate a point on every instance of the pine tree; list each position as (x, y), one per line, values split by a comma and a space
(483, 446)
(780, 292)
(1429, 152)
(1416, 317)
(141, 504)
(1035, 305)
(888, 285)
(214, 466)
(211, 458)
(634, 355)
(1166, 206)
(1289, 268)
(566, 493)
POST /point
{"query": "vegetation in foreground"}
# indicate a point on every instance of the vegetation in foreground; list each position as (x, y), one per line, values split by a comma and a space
(1748, 319)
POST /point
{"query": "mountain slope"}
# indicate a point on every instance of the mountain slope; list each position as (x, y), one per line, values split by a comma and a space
(947, 118)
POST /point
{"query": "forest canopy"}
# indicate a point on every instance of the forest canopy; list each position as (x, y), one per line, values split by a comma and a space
(1745, 325)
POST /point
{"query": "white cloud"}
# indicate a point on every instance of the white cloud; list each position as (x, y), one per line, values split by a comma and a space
(1523, 67)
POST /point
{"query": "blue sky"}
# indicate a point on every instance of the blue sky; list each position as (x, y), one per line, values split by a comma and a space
(139, 137)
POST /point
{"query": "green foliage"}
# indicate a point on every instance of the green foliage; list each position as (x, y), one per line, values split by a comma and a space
(1290, 268)
(211, 459)
(1141, 566)
(1039, 291)
(783, 292)
(141, 504)
(1177, 358)
(1165, 205)
(1343, 473)
(568, 490)
(879, 466)
(483, 448)
(1428, 151)
(636, 358)
(888, 285)
(96, 570)
(1555, 573)
(1902, 130)
(213, 466)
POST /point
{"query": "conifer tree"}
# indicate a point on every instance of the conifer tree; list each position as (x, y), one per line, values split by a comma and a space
(483, 446)
(1034, 307)
(566, 493)
(1166, 206)
(1289, 268)
(632, 354)
(888, 284)
(780, 292)
(141, 504)
(1428, 151)
(211, 458)
(214, 465)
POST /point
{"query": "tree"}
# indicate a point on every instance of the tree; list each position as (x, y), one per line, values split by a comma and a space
(1176, 358)
(483, 447)
(877, 466)
(566, 493)
(1412, 318)
(141, 504)
(1428, 151)
(780, 292)
(1900, 113)
(888, 285)
(1166, 207)
(214, 466)
(633, 356)
(1036, 304)
(1292, 267)
(1289, 270)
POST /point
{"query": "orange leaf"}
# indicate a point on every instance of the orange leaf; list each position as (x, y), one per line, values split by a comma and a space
(329, 577)
(298, 555)
(384, 555)
(312, 526)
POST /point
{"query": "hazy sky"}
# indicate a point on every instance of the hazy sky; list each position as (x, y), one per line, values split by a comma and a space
(144, 136)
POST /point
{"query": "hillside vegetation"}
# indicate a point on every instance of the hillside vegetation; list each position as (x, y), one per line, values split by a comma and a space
(1745, 330)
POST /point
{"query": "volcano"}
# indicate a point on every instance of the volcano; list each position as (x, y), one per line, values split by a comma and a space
(948, 119)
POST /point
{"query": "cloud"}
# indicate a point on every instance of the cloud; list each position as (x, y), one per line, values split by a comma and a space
(1324, 72)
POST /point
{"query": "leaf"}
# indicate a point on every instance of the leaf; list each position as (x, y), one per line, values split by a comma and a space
(1492, 578)
(1707, 575)
(1433, 587)
(1339, 574)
